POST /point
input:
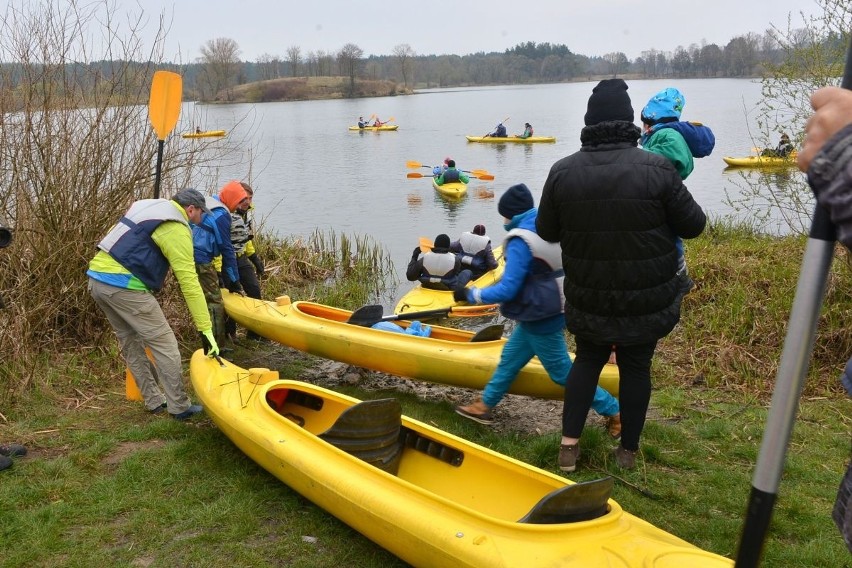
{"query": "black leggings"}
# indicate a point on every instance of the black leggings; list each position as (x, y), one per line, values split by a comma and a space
(634, 387)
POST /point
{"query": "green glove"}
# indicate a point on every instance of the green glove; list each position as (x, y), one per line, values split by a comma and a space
(211, 348)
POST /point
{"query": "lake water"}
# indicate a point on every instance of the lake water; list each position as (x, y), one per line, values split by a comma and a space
(309, 172)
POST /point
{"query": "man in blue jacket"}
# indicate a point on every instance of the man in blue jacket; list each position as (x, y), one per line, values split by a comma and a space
(529, 292)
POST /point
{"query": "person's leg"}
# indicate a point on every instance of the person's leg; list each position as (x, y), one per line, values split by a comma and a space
(129, 342)
(251, 285)
(581, 385)
(209, 280)
(634, 368)
(516, 353)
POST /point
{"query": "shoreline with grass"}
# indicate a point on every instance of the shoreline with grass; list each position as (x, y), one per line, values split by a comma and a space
(106, 482)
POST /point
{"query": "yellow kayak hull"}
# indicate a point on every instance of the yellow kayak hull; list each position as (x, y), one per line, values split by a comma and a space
(511, 139)
(446, 502)
(205, 134)
(761, 161)
(419, 298)
(453, 189)
(446, 357)
(383, 128)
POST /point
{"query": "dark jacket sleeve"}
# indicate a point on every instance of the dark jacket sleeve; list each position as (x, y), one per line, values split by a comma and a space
(490, 261)
(415, 268)
(830, 177)
(547, 222)
(685, 216)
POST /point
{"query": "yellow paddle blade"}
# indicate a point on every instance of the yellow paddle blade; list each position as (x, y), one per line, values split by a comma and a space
(486, 177)
(164, 103)
(474, 311)
(391, 119)
(414, 175)
(426, 244)
(413, 164)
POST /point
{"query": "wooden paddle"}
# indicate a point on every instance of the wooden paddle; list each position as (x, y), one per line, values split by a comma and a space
(163, 112)
(414, 175)
(413, 164)
(369, 315)
(487, 134)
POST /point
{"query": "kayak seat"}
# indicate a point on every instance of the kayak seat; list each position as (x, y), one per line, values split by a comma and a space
(410, 439)
(370, 431)
(573, 503)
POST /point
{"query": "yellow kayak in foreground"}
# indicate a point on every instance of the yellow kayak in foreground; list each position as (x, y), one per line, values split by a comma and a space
(453, 189)
(433, 499)
(447, 357)
(420, 298)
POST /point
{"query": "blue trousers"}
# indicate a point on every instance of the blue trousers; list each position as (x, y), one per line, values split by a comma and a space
(553, 354)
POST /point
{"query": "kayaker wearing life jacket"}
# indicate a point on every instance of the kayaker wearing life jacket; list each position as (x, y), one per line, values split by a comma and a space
(474, 250)
(451, 174)
(528, 131)
(438, 268)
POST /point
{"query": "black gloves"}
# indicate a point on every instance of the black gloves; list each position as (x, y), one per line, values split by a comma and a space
(258, 264)
(460, 295)
(416, 253)
(205, 343)
(234, 287)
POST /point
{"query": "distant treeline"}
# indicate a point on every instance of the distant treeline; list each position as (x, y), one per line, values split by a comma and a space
(743, 56)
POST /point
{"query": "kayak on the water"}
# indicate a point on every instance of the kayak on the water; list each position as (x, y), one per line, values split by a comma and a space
(514, 139)
(453, 189)
(761, 161)
(383, 127)
(204, 134)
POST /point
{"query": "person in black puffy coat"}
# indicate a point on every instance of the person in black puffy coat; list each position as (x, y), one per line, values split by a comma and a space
(615, 209)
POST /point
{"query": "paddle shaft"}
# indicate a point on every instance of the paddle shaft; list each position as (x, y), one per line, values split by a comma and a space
(790, 380)
(159, 168)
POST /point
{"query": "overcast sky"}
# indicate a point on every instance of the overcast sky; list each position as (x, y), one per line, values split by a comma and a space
(589, 27)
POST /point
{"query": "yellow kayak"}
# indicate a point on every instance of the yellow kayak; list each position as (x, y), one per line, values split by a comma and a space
(453, 189)
(205, 134)
(447, 357)
(382, 128)
(761, 161)
(419, 298)
(515, 139)
(433, 499)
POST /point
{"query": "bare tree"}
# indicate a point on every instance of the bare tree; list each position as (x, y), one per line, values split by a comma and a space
(220, 65)
(404, 56)
(267, 66)
(617, 61)
(294, 58)
(349, 59)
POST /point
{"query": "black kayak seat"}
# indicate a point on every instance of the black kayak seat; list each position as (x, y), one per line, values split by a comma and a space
(573, 503)
(370, 431)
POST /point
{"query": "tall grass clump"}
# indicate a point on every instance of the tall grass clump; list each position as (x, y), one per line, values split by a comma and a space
(734, 322)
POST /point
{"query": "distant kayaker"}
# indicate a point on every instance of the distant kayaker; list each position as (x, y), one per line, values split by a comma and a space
(377, 122)
(827, 159)
(363, 123)
(499, 132)
(474, 250)
(438, 268)
(664, 133)
(528, 131)
(613, 208)
(133, 260)
(438, 170)
(451, 174)
(782, 150)
(198, 130)
(530, 292)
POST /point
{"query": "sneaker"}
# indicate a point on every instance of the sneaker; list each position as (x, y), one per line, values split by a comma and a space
(568, 454)
(5, 462)
(613, 426)
(158, 409)
(478, 412)
(625, 459)
(189, 412)
(12, 450)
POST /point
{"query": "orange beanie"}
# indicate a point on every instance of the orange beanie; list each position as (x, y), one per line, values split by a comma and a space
(232, 194)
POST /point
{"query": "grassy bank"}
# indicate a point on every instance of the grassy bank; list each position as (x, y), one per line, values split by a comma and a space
(312, 88)
(105, 482)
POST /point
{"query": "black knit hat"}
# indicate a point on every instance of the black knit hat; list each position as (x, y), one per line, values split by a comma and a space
(609, 101)
(515, 201)
(442, 241)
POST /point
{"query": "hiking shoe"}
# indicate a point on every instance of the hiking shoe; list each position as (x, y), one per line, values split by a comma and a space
(12, 450)
(613, 426)
(5, 462)
(568, 454)
(158, 409)
(625, 459)
(478, 412)
(189, 412)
